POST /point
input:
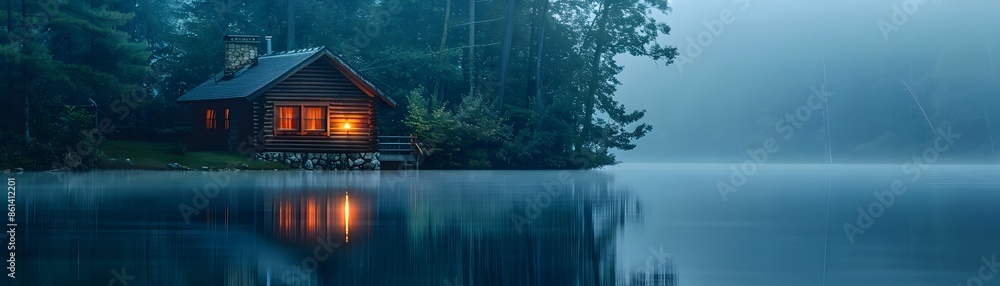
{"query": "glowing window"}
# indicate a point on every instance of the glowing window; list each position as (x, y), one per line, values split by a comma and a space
(287, 118)
(314, 118)
(210, 120)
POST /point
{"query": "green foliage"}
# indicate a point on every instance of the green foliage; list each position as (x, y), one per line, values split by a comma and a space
(70, 53)
(465, 138)
(558, 110)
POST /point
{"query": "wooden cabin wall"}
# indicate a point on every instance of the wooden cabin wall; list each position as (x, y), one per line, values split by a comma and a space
(320, 83)
(220, 138)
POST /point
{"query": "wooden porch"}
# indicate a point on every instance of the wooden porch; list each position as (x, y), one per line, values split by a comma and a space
(400, 152)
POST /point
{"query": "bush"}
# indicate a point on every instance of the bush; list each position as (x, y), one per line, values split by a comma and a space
(465, 138)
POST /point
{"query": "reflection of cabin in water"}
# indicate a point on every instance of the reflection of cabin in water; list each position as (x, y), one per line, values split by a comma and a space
(308, 101)
(455, 226)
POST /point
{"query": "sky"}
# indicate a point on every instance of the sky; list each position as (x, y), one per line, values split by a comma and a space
(747, 60)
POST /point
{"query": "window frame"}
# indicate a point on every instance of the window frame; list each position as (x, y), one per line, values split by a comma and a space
(296, 116)
(211, 119)
(225, 118)
(324, 118)
(300, 108)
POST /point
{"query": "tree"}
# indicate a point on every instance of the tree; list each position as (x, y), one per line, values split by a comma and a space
(618, 27)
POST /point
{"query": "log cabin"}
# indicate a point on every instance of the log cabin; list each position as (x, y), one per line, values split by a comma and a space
(308, 101)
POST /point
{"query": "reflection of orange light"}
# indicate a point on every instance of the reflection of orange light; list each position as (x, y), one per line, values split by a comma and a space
(347, 216)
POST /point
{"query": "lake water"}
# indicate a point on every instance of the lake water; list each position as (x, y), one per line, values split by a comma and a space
(634, 224)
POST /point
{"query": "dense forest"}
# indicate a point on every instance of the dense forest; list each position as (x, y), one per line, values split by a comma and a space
(527, 84)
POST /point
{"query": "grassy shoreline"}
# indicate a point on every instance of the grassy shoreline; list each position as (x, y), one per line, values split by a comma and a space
(157, 155)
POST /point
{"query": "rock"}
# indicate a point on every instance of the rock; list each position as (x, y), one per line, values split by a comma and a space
(368, 166)
(18, 169)
(204, 168)
(309, 164)
(354, 168)
(274, 156)
(295, 164)
(128, 161)
(368, 156)
(358, 162)
(175, 166)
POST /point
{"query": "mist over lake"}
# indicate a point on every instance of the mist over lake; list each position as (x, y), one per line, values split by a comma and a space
(784, 226)
(500, 142)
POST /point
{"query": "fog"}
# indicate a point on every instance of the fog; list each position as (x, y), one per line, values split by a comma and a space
(729, 87)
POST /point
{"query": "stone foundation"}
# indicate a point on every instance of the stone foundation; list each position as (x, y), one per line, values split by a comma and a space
(323, 161)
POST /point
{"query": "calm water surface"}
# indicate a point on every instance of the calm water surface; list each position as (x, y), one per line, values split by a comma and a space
(634, 224)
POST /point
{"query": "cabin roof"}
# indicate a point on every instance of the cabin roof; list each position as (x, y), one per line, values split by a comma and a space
(270, 70)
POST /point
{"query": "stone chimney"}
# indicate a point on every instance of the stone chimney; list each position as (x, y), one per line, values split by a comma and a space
(241, 52)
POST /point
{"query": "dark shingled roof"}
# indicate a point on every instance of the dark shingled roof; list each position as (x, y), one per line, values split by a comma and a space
(271, 70)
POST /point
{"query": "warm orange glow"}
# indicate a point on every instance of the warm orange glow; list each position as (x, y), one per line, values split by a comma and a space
(227, 118)
(303, 218)
(347, 217)
(287, 117)
(210, 119)
(347, 125)
(314, 118)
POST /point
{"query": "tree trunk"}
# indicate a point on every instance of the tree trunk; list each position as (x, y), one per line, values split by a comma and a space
(291, 26)
(535, 89)
(508, 37)
(595, 71)
(472, 47)
(439, 94)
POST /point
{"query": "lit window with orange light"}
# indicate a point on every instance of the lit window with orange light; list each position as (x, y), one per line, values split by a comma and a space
(287, 118)
(210, 119)
(314, 118)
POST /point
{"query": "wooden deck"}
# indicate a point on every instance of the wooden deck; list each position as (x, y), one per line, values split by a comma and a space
(400, 152)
